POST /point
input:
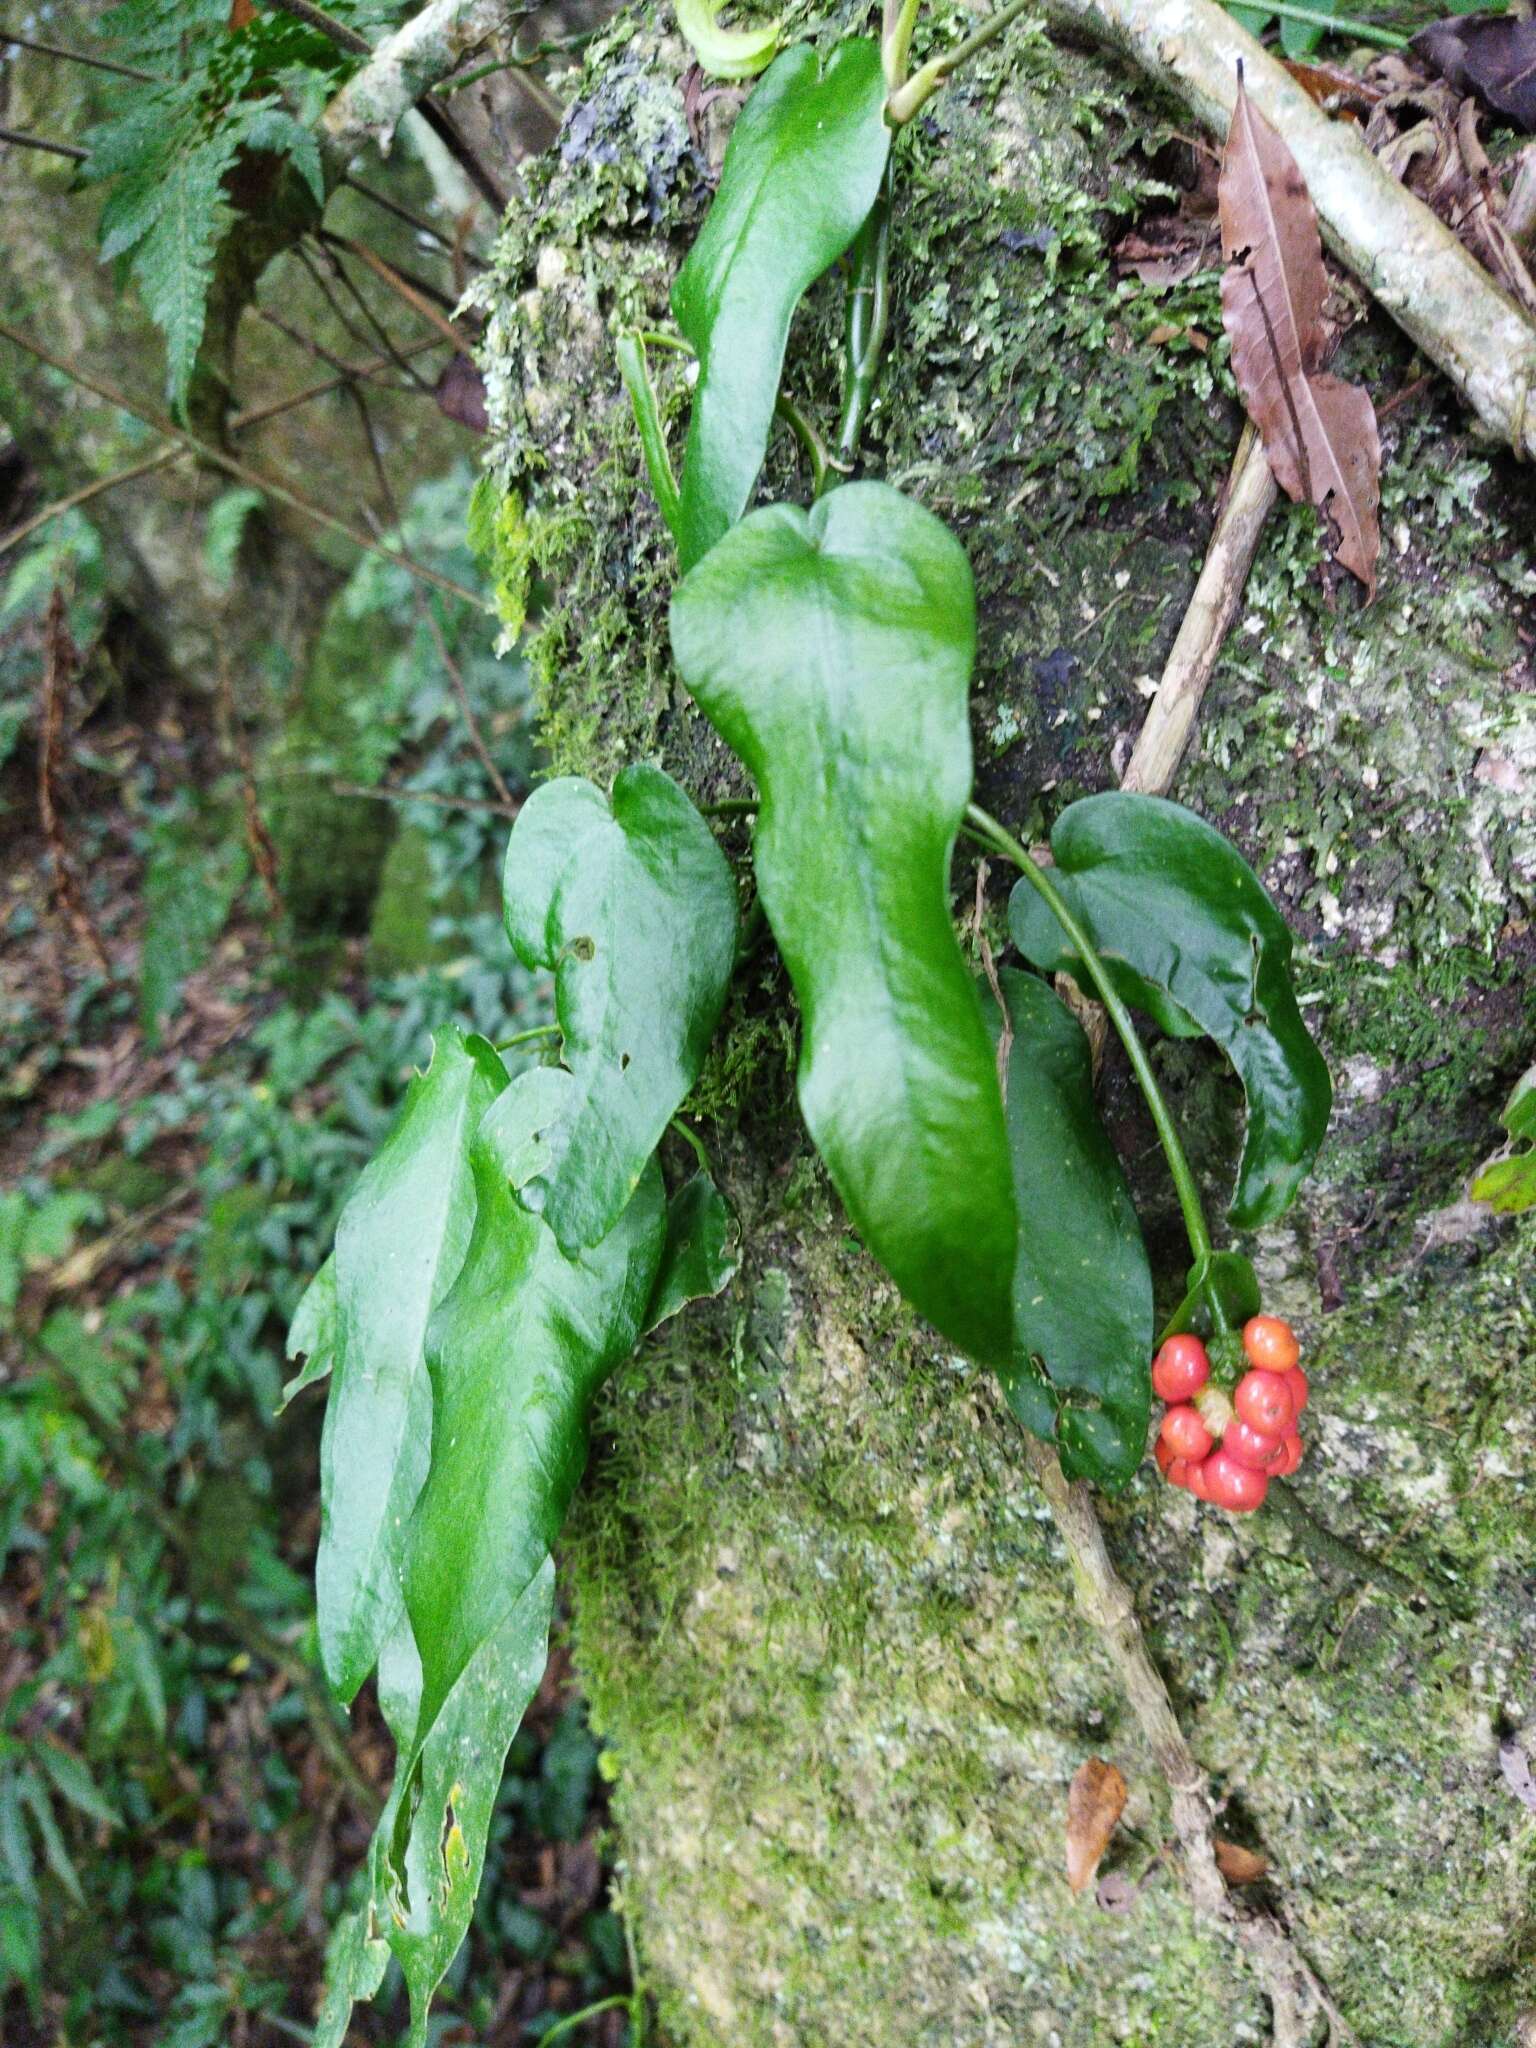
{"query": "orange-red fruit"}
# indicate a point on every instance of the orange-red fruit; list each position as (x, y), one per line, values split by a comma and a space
(1270, 1343)
(1184, 1433)
(1296, 1380)
(1198, 1476)
(1264, 1400)
(1180, 1369)
(1289, 1458)
(1252, 1446)
(1234, 1486)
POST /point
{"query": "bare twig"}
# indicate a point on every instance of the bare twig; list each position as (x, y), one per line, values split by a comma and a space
(430, 46)
(84, 495)
(1296, 1997)
(65, 149)
(411, 220)
(381, 333)
(404, 290)
(381, 793)
(1410, 262)
(461, 691)
(8, 35)
(1250, 495)
(274, 487)
(60, 661)
(257, 837)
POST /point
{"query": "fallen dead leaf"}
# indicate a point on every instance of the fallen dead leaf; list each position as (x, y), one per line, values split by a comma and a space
(1336, 90)
(1515, 1767)
(1095, 1803)
(1239, 1865)
(1319, 432)
(1491, 55)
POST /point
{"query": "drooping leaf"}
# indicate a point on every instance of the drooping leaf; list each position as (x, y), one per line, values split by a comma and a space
(833, 652)
(399, 1243)
(1319, 432)
(1095, 1801)
(1220, 1280)
(725, 52)
(801, 172)
(1082, 1290)
(632, 906)
(312, 1333)
(356, 1958)
(1165, 895)
(516, 1351)
(701, 1253)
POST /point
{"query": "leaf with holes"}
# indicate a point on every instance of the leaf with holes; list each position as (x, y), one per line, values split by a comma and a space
(1082, 1290)
(801, 173)
(1165, 896)
(833, 651)
(1319, 432)
(631, 905)
(399, 1244)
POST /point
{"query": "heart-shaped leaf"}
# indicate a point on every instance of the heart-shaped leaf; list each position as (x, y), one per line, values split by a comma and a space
(833, 652)
(1165, 896)
(399, 1243)
(801, 172)
(632, 906)
(1082, 1290)
(701, 1253)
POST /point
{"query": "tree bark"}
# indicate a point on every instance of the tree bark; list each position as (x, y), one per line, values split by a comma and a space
(818, 1600)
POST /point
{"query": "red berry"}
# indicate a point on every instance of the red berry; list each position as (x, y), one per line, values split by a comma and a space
(1270, 1343)
(1163, 1455)
(1234, 1486)
(1180, 1368)
(1264, 1400)
(1252, 1446)
(1296, 1380)
(1289, 1458)
(1184, 1433)
(1197, 1477)
(1179, 1470)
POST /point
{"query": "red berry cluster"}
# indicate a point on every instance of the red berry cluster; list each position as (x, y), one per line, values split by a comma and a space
(1227, 1451)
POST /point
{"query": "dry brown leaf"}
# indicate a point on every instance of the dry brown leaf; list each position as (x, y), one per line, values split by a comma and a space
(1336, 90)
(1319, 432)
(1492, 55)
(1239, 1865)
(1094, 1806)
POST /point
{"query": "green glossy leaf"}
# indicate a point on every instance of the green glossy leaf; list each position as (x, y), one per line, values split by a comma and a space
(833, 652)
(73, 1782)
(399, 1244)
(356, 1958)
(725, 52)
(1082, 1290)
(1519, 1117)
(701, 1253)
(516, 1352)
(631, 905)
(312, 1333)
(1221, 1280)
(801, 172)
(1167, 897)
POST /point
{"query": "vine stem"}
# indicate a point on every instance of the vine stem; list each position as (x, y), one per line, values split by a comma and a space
(1001, 840)
(676, 1123)
(864, 330)
(910, 98)
(527, 1037)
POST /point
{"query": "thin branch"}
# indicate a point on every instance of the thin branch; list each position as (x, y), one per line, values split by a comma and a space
(401, 359)
(343, 36)
(411, 220)
(381, 333)
(77, 57)
(402, 289)
(461, 691)
(64, 149)
(83, 496)
(274, 487)
(1250, 497)
(404, 68)
(381, 793)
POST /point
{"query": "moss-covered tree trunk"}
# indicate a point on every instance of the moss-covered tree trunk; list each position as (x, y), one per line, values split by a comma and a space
(821, 1609)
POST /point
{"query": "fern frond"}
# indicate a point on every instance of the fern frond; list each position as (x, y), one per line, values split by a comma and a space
(174, 263)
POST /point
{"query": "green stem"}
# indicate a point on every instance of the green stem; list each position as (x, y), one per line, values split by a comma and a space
(527, 1037)
(730, 807)
(573, 2020)
(1362, 31)
(804, 431)
(922, 85)
(696, 1142)
(1002, 841)
(896, 40)
(864, 329)
(653, 441)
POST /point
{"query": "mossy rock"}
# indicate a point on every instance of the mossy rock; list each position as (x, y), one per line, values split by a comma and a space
(822, 1614)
